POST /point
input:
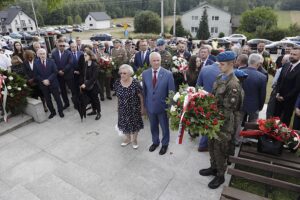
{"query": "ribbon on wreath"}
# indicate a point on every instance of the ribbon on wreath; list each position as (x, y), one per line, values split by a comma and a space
(5, 93)
(191, 94)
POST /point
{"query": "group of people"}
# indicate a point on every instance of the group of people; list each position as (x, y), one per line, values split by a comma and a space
(237, 77)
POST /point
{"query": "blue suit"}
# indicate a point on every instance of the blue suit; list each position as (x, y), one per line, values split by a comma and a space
(75, 66)
(206, 79)
(48, 72)
(138, 62)
(64, 63)
(209, 62)
(155, 102)
(255, 92)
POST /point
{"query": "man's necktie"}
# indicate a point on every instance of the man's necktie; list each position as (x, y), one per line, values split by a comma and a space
(154, 80)
(143, 56)
(288, 70)
(74, 56)
(44, 64)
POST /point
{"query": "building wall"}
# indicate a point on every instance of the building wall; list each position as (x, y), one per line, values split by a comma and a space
(22, 22)
(218, 20)
(91, 23)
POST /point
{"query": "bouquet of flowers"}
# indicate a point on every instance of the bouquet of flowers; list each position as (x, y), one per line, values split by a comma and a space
(138, 74)
(105, 63)
(277, 130)
(14, 91)
(180, 65)
(195, 110)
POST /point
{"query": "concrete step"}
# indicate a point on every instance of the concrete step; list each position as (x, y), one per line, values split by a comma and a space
(14, 122)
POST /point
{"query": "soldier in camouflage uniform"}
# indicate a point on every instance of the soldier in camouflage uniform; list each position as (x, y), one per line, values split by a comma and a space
(119, 57)
(166, 57)
(229, 95)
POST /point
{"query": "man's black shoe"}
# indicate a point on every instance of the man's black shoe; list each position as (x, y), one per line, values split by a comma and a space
(66, 106)
(102, 99)
(163, 150)
(109, 98)
(208, 172)
(216, 182)
(98, 116)
(92, 113)
(61, 114)
(153, 147)
(51, 115)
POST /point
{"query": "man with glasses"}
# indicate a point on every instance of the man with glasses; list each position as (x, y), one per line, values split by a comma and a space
(64, 62)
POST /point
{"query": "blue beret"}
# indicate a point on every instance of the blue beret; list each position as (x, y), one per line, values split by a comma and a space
(160, 42)
(226, 56)
(240, 73)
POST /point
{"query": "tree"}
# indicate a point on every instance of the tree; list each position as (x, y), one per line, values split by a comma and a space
(180, 32)
(78, 19)
(147, 22)
(203, 30)
(70, 20)
(260, 16)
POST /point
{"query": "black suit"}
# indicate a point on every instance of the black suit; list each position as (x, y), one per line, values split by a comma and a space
(48, 72)
(64, 63)
(288, 86)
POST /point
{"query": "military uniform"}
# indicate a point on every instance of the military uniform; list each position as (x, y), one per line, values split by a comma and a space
(229, 95)
(119, 57)
(166, 59)
(104, 77)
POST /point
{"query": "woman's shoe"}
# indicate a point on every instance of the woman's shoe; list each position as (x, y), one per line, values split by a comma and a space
(126, 141)
(98, 116)
(134, 141)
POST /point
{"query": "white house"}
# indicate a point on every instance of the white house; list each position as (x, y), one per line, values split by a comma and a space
(219, 20)
(14, 20)
(97, 20)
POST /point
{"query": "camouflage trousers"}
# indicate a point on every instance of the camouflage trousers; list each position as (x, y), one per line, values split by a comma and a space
(218, 151)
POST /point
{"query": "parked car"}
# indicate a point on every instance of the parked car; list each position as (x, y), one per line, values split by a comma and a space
(101, 37)
(273, 47)
(295, 40)
(15, 35)
(25, 36)
(77, 29)
(62, 30)
(221, 42)
(236, 38)
(119, 25)
(253, 42)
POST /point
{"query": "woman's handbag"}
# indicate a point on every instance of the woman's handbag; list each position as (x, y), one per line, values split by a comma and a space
(269, 145)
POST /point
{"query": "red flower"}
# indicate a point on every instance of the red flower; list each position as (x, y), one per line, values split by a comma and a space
(200, 109)
(215, 121)
(187, 123)
(206, 127)
(208, 115)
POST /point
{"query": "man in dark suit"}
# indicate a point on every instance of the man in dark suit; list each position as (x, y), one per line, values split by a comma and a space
(181, 51)
(288, 87)
(142, 56)
(76, 55)
(204, 53)
(64, 60)
(46, 74)
(157, 82)
(241, 61)
(255, 87)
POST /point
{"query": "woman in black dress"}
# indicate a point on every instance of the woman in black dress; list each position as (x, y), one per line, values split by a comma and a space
(88, 82)
(130, 105)
(193, 71)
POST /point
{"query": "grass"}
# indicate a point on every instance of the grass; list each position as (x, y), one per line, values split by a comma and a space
(286, 18)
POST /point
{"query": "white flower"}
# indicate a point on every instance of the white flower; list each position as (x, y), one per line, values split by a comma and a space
(173, 108)
(176, 63)
(134, 77)
(295, 139)
(19, 89)
(2, 92)
(176, 96)
(174, 58)
(191, 89)
(112, 63)
(11, 95)
(10, 78)
(9, 87)
(174, 70)
(203, 91)
(25, 85)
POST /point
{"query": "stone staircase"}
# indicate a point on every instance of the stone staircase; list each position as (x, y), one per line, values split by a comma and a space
(14, 122)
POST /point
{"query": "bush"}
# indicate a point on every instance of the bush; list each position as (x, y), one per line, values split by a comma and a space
(221, 34)
(147, 22)
(273, 34)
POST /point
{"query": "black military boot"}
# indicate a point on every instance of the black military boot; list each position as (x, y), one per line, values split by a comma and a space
(216, 182)
(208, 172)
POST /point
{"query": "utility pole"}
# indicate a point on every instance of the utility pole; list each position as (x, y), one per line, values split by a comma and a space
(35, 19)
(162, 17)
(174, 25)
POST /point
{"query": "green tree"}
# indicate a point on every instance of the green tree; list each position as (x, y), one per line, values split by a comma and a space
(260, 16)
(203, 30)
(70, 20)
(78, 19)
(180, 32)
(221, 34)
(147, 22)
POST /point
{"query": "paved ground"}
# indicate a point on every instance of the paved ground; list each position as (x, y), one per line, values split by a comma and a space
(64, 159)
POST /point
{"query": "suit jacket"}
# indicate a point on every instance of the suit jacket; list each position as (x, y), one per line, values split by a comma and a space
(288, 84)
(209, 62)
(138, 60)
(29, 73)
(49, 72)
(255, 86)
(75, 60)
(155, 98)
(64, 63)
